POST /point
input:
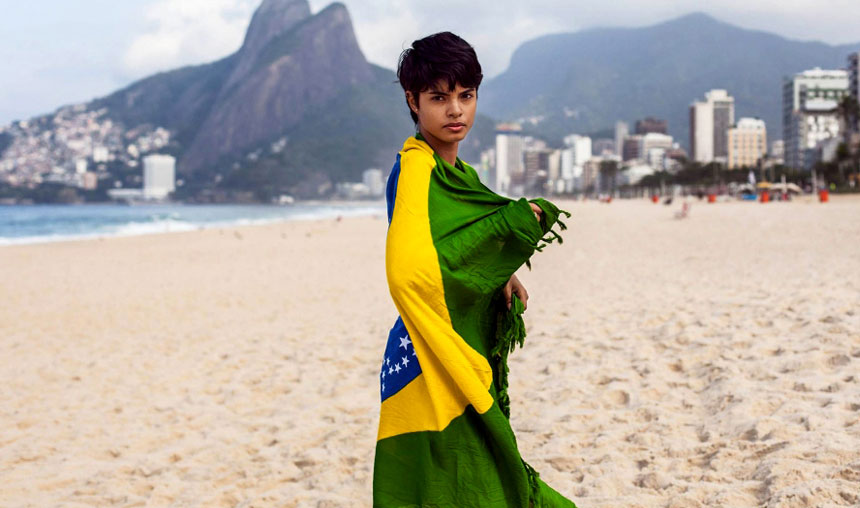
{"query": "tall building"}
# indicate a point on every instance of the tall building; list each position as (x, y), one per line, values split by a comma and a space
(509, 156)
(650, 124)
(809, 114)
(554, 175)
(621, 132)
(709, 124)
(159, 176)
(536, 162)
(777, 152)
(632, 148)
(581, 146)
(573, 157)
(372, 178)
(655, 140)
(488, 166)
(653, 147)
(747, 143)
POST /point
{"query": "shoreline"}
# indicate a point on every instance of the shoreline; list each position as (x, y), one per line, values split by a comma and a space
(163, 226)
(5, 242)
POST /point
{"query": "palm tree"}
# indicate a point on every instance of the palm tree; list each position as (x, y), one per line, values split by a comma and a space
(608, 172)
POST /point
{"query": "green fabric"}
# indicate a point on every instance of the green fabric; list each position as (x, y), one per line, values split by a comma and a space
(481, 239)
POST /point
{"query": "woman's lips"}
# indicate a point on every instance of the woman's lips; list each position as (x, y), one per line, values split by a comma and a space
(455, 127)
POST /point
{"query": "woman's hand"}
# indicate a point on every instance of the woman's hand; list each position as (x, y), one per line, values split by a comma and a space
(537, 210)
(515, 286)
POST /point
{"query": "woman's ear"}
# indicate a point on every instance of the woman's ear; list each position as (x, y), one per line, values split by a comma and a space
(411, 100)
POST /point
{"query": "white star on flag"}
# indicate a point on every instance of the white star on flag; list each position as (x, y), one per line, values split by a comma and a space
(404, 342)
(405, 362)
(390, 370)
(397, 367)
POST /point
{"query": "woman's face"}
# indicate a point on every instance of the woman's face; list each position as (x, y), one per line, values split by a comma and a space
(445, 115)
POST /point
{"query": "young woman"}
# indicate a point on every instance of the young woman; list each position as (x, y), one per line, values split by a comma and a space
(452, 249)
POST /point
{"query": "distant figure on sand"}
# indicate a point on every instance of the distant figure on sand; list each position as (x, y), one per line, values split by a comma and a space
(452, 248)
(685, 211)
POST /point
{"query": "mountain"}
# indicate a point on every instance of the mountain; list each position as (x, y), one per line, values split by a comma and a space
(297, 103)
(587, 80)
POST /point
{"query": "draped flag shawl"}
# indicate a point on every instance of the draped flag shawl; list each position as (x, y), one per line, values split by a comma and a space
(444, 437)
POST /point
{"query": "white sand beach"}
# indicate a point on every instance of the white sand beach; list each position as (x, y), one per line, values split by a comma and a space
(706, 362)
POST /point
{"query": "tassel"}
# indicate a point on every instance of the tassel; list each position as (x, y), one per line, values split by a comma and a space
(534, 485)
(510, 332)
(555, 236)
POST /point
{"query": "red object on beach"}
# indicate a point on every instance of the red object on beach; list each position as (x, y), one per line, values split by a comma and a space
(712, 198)
(823, 196)
(765, 197)
(655, 199)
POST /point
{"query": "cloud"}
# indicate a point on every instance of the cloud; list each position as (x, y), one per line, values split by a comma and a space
(385, 27)
(183, 32)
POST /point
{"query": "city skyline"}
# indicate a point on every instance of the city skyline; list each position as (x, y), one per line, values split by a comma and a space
(99, 47)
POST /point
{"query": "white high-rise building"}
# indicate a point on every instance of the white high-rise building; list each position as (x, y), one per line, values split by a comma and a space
(621, 132)
(709, 124)
(653, 147)
(581, 146)
(777, 151)
(372, 178)
(159, 176)
(509, 156)
(809, 115)
(573, 158)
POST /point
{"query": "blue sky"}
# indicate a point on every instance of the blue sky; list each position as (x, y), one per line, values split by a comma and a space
(56, 52)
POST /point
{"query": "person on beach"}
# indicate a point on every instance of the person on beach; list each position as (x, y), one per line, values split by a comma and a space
(452, 248)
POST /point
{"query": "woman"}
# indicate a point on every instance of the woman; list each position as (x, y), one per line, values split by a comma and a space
(451, 252)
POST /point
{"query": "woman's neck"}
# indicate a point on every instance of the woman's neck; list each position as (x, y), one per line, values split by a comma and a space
(447, 151)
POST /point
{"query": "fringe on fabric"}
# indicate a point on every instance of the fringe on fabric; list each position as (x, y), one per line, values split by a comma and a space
(552, 235)
(534, 486)
(510, 333)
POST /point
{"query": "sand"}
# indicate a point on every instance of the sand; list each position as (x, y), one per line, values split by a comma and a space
(711, 361)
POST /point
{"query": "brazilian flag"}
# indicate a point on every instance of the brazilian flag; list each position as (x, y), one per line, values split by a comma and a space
(444, 436)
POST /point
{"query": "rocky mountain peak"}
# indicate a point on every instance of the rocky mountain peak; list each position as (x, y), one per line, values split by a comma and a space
(271, 19)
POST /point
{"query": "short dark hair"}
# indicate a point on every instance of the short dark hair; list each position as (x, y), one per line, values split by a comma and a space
(438, 57)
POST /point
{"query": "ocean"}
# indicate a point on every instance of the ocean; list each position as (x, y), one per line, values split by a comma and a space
(26, 224)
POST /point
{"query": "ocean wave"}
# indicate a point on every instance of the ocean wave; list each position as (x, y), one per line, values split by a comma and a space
(175, 221)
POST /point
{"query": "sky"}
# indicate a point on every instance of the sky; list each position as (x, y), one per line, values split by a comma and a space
(57, 52)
